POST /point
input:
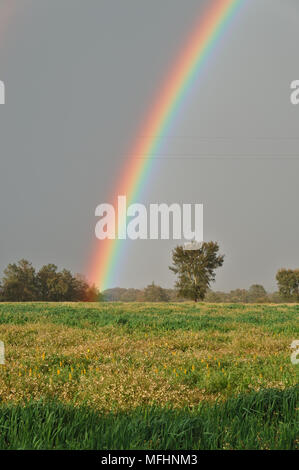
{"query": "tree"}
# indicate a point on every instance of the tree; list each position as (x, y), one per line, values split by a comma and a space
(238, 295)
(114, 294)
(196, 269)
(274, 298)
(19, 282)
(84, 292)
(54, 286)
(130, 295)
(257, 293)
(47, 279)
(288, 284)
(154, 293)
(218, 296)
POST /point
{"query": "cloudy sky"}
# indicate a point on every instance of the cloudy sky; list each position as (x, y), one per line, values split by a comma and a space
(80, 77)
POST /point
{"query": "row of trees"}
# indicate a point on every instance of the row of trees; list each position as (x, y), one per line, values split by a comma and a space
(154, 293)
(151, 293)
(255, 294)
(195, 271)
(21, 283)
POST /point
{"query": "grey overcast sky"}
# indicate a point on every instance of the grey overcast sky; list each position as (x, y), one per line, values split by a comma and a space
(80, 77)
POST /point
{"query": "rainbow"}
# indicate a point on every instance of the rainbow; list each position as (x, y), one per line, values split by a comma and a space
(7, 11)
(180, 80)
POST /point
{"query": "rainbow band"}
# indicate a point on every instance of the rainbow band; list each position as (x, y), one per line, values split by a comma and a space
(181, 78)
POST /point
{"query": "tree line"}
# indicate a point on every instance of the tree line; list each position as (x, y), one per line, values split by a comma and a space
(154, 293)
(194, 270)
(22, 283)
(151, 293)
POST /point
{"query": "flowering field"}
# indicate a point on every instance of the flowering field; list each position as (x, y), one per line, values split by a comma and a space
(128, 358)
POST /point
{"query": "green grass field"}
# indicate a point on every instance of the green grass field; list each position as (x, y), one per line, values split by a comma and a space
(148, 376)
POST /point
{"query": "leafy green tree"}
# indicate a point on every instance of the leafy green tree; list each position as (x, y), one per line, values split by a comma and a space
(154, 293)
(238, 295)
(131, 295)
(70, 288)
(114, 294)
(196, 269)
(173, 295)
(84, 292)
(257, 293)
(288, 284)
(275, 298)
(216, 296)
(47, 279)
(19, 282)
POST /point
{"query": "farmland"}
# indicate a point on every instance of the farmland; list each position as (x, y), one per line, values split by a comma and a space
(146, 375)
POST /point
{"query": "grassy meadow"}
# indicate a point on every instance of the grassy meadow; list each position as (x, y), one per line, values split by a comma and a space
(148, 376)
